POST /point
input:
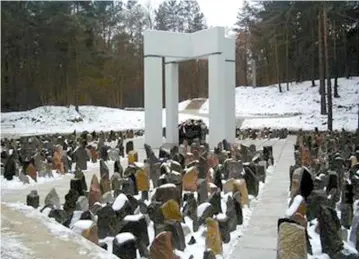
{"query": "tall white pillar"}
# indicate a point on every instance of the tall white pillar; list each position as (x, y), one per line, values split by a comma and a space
(230, 101)
(153, 101)
(217, 102)
(172, 103)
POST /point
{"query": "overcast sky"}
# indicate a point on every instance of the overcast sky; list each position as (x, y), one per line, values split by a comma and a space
(217, 12)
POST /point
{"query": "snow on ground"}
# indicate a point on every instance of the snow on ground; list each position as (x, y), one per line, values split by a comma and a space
(15, 183)
(198, 248)
(183, 105)
(315, 238)
(297, 108)
(317, 247)
(305, 122)
(61, 119)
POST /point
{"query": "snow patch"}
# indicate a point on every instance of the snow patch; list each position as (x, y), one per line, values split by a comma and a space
(221, 217)
(297, 108)
(167, 185)
(16, 183)
(136, 217)
(260, 107)
(75, 217)
(62, 119)
(294, 206)
(124, 237)
(120, 201)
(201, 208)
(81, 225)
(139, 164)
(183, 105)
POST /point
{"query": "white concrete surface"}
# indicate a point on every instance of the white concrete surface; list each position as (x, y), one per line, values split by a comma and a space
(172, 103)
(175, 47)
(260, 237)
(153, 100)
(230, 103)
(217, 99)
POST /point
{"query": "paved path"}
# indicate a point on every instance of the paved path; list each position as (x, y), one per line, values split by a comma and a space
(260, 237)
(239, 119)
(35, 240)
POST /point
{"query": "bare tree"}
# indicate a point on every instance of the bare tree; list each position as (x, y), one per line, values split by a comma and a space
(336, 95)
(323, 105)
(277, 63)
(327, 68)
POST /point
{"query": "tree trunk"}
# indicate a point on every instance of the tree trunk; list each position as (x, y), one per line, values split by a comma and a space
(323, 105)
(313, 57)
(327, 69)
(245, 68)
(287, 58)
(245, 61)
(336, 95)
(298, 69)
(277, 64)
(267, 71)
(347, 69)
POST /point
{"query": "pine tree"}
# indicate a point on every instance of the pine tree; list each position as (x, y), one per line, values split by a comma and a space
(194, 18)
(179, 16)
(294, 25)
(91, 52)
(169, 16)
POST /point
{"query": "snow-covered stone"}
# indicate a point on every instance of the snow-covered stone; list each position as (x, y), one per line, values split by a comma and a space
(81, 225)
(120, 201)
(136, 217)
(201, 208)
(124, 237)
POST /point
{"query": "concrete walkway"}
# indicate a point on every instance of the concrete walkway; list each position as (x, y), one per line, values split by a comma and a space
(260, 237)
(239, 119)
(36, 240)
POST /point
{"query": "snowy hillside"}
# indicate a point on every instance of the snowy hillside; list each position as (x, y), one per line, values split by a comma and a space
(60, 119)
(297, 108)
(259, 107)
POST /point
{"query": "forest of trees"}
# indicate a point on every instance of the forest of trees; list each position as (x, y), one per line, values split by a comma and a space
(83, 52)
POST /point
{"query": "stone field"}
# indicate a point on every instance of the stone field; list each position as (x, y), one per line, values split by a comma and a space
(114, 197)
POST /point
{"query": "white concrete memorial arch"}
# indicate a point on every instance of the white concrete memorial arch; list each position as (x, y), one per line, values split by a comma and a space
(208, 44)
